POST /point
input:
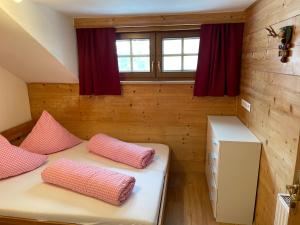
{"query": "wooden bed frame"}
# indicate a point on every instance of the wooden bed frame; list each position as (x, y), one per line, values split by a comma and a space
(15, 136)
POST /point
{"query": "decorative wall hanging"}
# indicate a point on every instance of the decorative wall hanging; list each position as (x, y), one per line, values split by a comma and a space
(285, 36)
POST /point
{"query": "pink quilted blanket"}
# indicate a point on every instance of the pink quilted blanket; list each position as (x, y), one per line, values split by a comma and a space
(120, 151)
(112, 187)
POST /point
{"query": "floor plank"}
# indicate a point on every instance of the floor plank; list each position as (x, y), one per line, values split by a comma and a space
(188, 201)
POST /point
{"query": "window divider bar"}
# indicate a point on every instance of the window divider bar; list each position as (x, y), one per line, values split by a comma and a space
(131, 58)
(182, 50)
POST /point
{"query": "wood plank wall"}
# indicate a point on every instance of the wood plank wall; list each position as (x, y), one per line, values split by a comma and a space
(273, 89)
(166, 114)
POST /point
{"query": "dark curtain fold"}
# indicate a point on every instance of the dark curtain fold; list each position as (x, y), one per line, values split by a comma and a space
(219, 61)
(98, 63)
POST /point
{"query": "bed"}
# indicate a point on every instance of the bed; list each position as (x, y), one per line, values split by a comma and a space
(25, 199)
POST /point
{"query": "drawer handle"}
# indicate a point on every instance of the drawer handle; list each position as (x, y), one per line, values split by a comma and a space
(214, 173)
(214, 155)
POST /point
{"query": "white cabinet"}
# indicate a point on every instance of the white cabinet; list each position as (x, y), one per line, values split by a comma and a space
(232, 165)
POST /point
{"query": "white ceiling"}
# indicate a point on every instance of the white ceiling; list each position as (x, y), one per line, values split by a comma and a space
(79, 8)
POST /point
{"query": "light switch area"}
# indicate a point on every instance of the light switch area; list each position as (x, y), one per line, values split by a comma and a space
(246, 105)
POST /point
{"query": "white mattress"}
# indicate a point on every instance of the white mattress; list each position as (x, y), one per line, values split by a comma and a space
(26, 196)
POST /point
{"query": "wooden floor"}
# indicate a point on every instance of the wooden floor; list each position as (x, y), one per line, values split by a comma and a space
(188, 201)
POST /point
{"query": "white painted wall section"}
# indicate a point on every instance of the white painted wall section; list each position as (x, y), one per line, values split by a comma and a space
(14, 101)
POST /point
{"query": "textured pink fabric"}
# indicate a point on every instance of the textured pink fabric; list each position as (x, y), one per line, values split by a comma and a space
(48, 136)
(120, 151)
(103, 184)
(15, 160)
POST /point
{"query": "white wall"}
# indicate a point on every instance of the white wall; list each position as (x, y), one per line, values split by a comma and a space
(51, 29)
(14, 101)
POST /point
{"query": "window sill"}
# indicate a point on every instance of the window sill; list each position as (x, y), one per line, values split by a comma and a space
(160, 82)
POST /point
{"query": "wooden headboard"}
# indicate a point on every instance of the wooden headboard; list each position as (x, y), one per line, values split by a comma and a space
(17, 134)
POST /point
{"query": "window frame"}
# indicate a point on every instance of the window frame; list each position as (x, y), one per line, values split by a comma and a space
(172, 75)
(156, 55)
(140, 75)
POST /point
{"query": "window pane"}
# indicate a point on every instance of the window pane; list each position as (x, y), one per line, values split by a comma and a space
(190, 62)
(172, 63)
(191, 45)
(140, 47)
(124, 64)
(141, 64)
(123, 47)
(172, 46)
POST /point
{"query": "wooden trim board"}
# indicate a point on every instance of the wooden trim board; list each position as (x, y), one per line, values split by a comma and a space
(16, 134)
(160, 20)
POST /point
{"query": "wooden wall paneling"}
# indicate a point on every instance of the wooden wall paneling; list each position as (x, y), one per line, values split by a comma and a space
(268, 12)
(166, 114)
(273, 89)
(160, 20)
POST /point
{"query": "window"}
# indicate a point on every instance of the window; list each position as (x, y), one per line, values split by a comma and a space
(158, 55)
(136, 55)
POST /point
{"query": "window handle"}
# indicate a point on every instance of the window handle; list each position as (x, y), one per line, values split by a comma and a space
(152, 66)
(158, 66)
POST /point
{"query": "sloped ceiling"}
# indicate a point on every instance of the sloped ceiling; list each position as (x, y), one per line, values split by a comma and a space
(23, 56)
(29, 56)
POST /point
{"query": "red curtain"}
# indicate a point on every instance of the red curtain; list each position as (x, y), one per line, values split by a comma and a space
(219, 61)
(98, 63)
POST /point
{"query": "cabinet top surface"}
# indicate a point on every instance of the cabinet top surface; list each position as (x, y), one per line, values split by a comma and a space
(230, 128)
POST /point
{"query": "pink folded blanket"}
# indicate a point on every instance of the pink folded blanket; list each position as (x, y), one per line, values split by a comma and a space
(120, 151)
(112, 187)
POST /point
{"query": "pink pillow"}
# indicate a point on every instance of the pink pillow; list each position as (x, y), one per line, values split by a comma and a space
(15, 160)
(109, 186)
(120, 151)
(48, 136)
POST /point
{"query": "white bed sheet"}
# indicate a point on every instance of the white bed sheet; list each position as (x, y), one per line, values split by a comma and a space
(26, 196)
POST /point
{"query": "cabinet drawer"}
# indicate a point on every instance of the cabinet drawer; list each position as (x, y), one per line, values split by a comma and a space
(212, 164)
(214, 177)
(214, 161)
(213, 195)
(215, 144)
(212, 140)
(212, 145)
